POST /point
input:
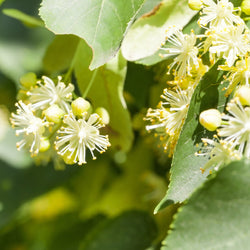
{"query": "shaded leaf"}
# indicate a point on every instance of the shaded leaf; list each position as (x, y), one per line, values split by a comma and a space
(60, 53)
(101, 23)
(217, 216)
(186, 176)
(139, 79)
(104, 87)
(133, 230)
(146, 35)
(69, 237)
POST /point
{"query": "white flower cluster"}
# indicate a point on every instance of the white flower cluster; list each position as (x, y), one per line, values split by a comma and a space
(46, 114)
(227, 37)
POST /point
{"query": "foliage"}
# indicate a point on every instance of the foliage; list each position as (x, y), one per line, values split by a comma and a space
(87, 76)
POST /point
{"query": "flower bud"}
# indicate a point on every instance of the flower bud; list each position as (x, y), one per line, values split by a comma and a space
(195, 4)
(103, 113)
(21, 95)
(44, 144)
(210, 119)
(243, 93)
(54, 114)
(28, 80)
(245, 7)
(79, 106)
(68, 158)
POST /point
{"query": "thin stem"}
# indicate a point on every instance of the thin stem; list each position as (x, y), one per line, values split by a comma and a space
(57, 126)
(90, 83)
(67, 77)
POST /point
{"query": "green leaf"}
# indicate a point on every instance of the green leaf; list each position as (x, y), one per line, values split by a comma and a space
(155, 58)
(60, 53)
(148, 6)
(104, 87)
(147, 34)
(101, 23)
(72, 232)
(24, 18)
(186, 176)
(139, 79)
(217, 216)
(133, 230)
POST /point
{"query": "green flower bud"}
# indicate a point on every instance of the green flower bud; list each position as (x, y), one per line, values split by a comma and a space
(44, 144)
(21, 95)
(243, 93)
(210, 119)
(103, 113)
(68, 159)
(79, 106)
(28, 80)
(245, 7)
(195, 4)
(54, 114)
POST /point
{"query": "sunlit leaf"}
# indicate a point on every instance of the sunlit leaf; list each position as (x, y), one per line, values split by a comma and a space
(101, 23)
(148, 6)
(217, 216)
(147, 34)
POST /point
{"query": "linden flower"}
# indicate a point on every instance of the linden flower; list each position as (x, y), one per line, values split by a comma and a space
(219, 153)
(29, 126)
(167, 122)
(185, 51)
(179, 102)
(238, 74)
(158, 118)
(219, 15)
(236, 127)
(78, 135)
(44, 95)
(171, 119)
(232, 42)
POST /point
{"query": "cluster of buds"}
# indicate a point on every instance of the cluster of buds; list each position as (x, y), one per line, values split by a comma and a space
(47, 115)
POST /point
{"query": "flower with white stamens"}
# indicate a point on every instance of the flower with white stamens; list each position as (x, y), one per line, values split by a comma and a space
(29, 126)
(76, 136)
(167, 120)
(238, 74)
(232, 43)
(47, 94)
(183, 47)
(235, 128)
(218, 15)
(219, 153)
